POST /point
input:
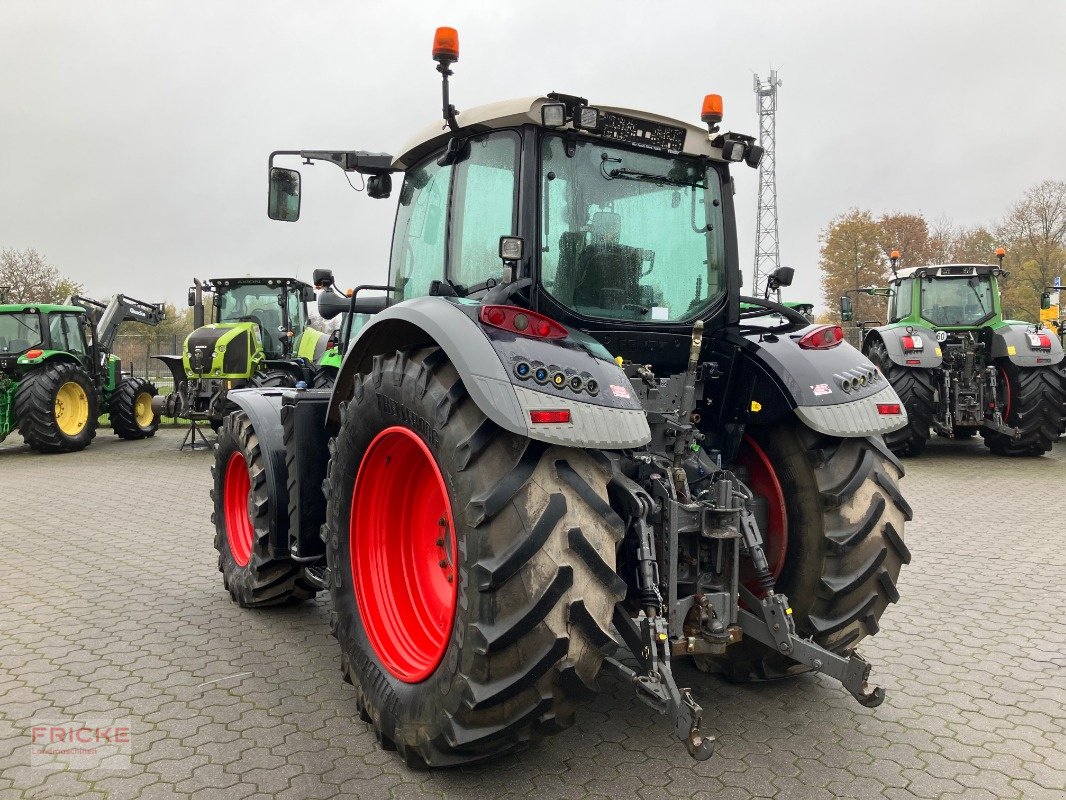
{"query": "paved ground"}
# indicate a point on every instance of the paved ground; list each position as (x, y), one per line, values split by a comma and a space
(112, 609)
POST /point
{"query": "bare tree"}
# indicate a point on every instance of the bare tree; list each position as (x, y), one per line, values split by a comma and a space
(31, 279)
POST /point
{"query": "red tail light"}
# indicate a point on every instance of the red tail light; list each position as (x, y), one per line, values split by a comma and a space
(886, 409)
(1039, 341)
(556, 416)
(522, 322)
(822, 338)
(912, 343)
(34, 353)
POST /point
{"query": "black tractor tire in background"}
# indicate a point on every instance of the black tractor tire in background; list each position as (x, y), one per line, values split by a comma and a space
(1035, 400)
(534, 561)
(37, 402)
(324, 378)
(126, 408)
(273, 379)
(916, 391)
(845, 518)
(243, 515)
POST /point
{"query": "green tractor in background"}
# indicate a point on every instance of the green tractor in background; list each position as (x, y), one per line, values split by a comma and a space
(959, 367)
(58, 374)
(258, 336)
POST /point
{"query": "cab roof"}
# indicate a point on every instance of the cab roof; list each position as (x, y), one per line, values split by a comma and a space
(256, 281)
(526, 111)
(947, 270)
(41, 308)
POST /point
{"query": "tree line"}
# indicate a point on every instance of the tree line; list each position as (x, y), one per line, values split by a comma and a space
(855, 250)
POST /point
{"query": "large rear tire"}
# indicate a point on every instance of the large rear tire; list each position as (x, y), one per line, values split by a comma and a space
(56, 408)
(843, 515)
(130, 409)
(1033, 399)
(495, 658)
(915, 388)
(244, 520)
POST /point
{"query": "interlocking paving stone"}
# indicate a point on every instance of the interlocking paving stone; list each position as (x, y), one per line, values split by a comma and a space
(113, 608)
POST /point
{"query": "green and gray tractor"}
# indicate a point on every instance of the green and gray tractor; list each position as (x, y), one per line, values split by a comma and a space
(959, 367)
(258, 336)
(58, 374)
(565, 444)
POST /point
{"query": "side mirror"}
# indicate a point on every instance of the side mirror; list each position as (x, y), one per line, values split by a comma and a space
(192, 297)
(283, 203)
(846, 310)
(307, 294)
(782, 276)
(1045, 301)
(322, 278)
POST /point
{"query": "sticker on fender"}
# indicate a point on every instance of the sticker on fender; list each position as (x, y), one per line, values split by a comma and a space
(821, 388)
(620, 391)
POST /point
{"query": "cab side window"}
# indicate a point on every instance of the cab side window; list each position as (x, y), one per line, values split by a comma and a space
(483, 208)
(75, 337)
(901, 301)
(419, 238)
(56, 332)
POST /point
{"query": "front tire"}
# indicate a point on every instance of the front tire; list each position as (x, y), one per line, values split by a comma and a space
(528, 539)
(130, 409)
(56, 408)
(916, 391)
(844, 517)
(244, 520)
(1034, 401)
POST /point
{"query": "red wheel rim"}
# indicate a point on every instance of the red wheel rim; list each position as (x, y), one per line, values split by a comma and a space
(402, 541)
(762, 479)
(236, 490)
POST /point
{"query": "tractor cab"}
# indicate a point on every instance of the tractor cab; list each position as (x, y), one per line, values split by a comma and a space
(277, 306)
(29, 333)
(948, 296)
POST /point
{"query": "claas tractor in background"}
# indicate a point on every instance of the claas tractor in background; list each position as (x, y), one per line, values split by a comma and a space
(258, 336)
(58, 373)
(959, 367)
(560, 446)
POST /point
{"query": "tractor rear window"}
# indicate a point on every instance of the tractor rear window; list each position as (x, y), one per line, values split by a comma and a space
(630, 236)
(19, 332)
(952, 302)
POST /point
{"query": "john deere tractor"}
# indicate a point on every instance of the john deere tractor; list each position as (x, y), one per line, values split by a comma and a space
(959, 367)
(562, 446)
(258, 336)
(58, 374)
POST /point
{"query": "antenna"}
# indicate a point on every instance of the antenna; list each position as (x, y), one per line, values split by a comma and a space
(767, 246)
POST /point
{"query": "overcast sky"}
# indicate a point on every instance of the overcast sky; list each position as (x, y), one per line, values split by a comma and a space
(135, 135)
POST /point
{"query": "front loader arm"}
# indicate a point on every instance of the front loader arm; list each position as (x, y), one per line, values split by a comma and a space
(123, 309)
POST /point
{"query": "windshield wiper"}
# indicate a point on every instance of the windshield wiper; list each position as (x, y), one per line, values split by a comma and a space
(636, 175)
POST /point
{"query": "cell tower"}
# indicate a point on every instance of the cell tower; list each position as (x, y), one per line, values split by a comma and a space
(767, 248)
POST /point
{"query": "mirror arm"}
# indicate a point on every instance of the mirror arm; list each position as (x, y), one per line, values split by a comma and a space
(361, 161)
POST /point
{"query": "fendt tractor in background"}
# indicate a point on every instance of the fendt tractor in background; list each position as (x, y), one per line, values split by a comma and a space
(258, 336)
(560, 439)
(959, 367)
(58, 374)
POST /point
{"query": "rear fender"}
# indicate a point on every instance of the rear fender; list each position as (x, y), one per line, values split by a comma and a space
(263, 407)
(1012, 342)
(772, 374)
(611, 419)
(929, 357)
(176, 365)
